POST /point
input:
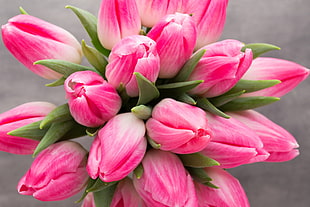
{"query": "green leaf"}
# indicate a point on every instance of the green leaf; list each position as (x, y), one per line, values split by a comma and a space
(22, 11)
(147, 89)
(95, 58)
(245, 103)
(30, 131)
(153, 143)
(188, 67)
(58, 82)
(76, 131)
(92, 131)
(179, 87)
(142, 112)
(60, 113)
(260, 48)
(199, 174)
(197, 160)
(252, 85)
(208, 106)
(211, 185)
(90, 183)
(89, 21)
(104, 198)
(223, 99)
(186, 99)
(138, 171)
(100, 185)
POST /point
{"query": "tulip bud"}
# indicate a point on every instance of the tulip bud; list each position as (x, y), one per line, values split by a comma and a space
(116, 20)
(175, 35)
(161, 171)
(277, 141)
(57, 173)
(229, 194)
(135, 53)
(31, 39)
(92, 101)
(17, 117)
(221, 67)
(89, 201)
(118, 148)
(175, 129)
(289, 73)
(233, 143)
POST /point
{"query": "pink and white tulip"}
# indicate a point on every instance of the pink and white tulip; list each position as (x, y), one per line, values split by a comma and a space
(92, 100)
(233, 143)
(178, 127)
(221, 67)
(289, 73)
(111, 163)
(175, 35)
(57, 173)
(229, 194)
(116, 20)
(17, 117)
(30, 39)
(135, 53)
(165, 182)
(281, 145)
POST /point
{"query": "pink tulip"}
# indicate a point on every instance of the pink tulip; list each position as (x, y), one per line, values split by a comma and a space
(89, 201)
(126, 196)
(165, 182)
(17, 117)
(118, 148)
(233, 143)
(116, 20)
(135, 53)
(178, 127)
(289, 73)
(281, 145)
(92, 101)
(229, 194)
(57, 173)
(221, 67)
(31, 39)
(175, 35)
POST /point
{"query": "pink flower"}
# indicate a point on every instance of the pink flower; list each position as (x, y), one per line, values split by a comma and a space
(178, 127)
(164, 181)
(118, 148)
(57, 173)
(289, 73)
(126, 196)
(17, 117)
(31, 39)
(89, 201)
(92, 101)
(175, 35)
(135, 53)
(116, 20)
(281, 145)
(229, 194)
(221, 67)
(233, 143)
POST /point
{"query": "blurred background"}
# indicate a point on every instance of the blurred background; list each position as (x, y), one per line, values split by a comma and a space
(285, 23)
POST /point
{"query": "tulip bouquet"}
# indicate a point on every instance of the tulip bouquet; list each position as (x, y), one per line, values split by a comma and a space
(167, 107)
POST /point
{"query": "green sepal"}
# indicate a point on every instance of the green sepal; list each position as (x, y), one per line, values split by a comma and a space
(142, 112)
(89, 21)
(23, 11)
(92, 131)
(178, 87)
(197, 160)
(95, 58)
(245, 103)
(90, 183)
(104, 198)
(53, 134)
(188, 67)
(199, 174)
(58, 82)
(30, 131)
(259, 48)
(147, 89)
(211, 185)
(153, 143)
(60, 113)
(99, 185)
(63, 67)
(138, 171)
(186, 99)
(252, 85)
(208, 106)
(223, 99)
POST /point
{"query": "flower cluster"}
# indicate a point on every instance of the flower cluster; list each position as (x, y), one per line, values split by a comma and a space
(168, 108)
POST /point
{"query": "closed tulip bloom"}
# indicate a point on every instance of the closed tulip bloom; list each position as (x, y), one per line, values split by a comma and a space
(229, 194)
(31, 39)
(116, 20)
(221, 67)
(233, 143)
(135, 53)
(178, 127)
(289, 73)
(165, 182)
(57, 173)
(175, 35)
(118, 148)
(92, 100)
(89, 201)
(17, 117)
(281, 145)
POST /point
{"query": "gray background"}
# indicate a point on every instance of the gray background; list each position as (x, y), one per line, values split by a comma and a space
(285, 23)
